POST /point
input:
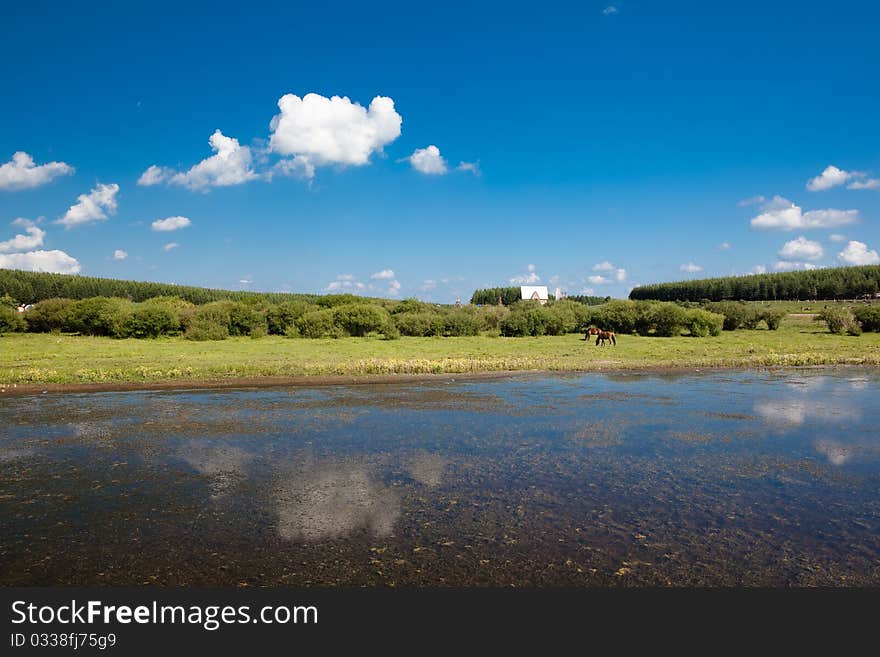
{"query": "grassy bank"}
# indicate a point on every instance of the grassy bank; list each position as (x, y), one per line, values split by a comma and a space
(47, 358)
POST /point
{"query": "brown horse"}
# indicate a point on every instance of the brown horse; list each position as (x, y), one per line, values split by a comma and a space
(600, 336)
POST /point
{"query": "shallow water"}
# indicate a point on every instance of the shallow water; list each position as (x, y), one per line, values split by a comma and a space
(722, 478)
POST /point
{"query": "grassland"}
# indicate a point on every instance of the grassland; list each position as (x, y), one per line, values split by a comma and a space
(61, 359)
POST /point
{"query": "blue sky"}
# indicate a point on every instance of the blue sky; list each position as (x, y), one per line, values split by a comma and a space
(588, 145)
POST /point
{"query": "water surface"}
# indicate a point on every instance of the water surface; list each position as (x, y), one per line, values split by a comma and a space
(724, 478)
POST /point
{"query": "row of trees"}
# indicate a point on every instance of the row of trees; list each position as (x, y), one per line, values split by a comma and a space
(511, 295)
(30, 287)
(833, 283)
(644, 318)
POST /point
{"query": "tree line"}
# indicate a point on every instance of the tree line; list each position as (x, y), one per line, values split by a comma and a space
(30, 287)
(511, 295)
(832, 283)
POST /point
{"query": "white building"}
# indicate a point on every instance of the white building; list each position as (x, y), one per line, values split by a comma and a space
(534, 293)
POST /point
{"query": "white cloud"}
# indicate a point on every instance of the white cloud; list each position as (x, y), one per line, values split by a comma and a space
(837, 237)
(857, 253)
(610, 10)
(294, 167)
(247, 280)
(91, 207)
(830, 177)
(57, 262)
(759, 269)
(834, 177)
(867, 183)
(325, 131)
(170, 223)
(691, 268)
(428, 285)
(782, 214)
(619, 273)
(428, 161)
(170, 246)
(753, 200)
(588, 291)
(344, 283)
(724, 246)
(473, 167)
(388, 276)
(230, 165)
(24, 223)
(119, 254)
(787, 265)
(801, 249)
(21, 172)
(528, 279)
(154, 175)
(31, 240)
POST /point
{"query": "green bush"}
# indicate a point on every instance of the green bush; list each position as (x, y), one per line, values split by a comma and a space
(838, 320)
(417, 324)
(461, 322)
(668, 319)
(617, 316)
(204, 328)
(280, 318)
(48, 315)
(702, 323)
(316, 324)
(412, 306)
(524, 320)
(8, 301)
(567, 317)
(359, 319)
(869, 317)
(773, 317)
(150, 320)
(333, 300)
(98, 316)
(11, 320)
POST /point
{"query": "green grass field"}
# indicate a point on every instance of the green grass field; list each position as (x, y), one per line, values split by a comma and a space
(47, 358)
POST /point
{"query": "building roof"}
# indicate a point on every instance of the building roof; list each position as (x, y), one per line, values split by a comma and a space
(529, 292)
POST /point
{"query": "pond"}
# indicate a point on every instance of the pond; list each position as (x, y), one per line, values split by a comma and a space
(767, 478)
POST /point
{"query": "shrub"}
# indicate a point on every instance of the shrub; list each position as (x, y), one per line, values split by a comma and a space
(358, 319)
(838, 320)
(869, 317)
(773, 317)
(491, 317)
(98, 316)
(568, 317)
(701, 323)
(245, 319)
(461, 322)
(412, 306)
(8, 301)
(523, 320)
(390, 331)
(617, 316)
(203, 328)
(316, 324)
(737, 314)
(668, 319)
(333, 300)
(150, 320)
(48, 315)
(11, 320)
(417, 324)
(280, 318)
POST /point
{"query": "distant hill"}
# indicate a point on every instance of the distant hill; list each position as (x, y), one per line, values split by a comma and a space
(832, 283)
(30, 287)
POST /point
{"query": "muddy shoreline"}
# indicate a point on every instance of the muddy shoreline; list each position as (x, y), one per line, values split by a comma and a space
(317, 381)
